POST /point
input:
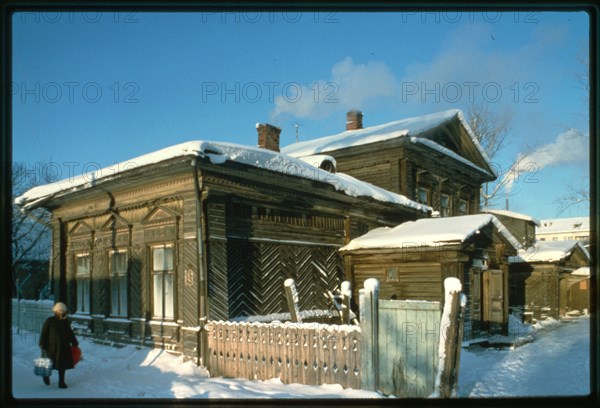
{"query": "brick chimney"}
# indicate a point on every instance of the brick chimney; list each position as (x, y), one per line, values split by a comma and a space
(268, 136)
(354, 120)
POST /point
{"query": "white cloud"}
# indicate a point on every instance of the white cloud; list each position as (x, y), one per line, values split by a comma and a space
(570, 147)
(350, 86)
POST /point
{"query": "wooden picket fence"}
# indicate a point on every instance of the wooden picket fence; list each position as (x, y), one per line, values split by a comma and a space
(406, 348)
(305, 353)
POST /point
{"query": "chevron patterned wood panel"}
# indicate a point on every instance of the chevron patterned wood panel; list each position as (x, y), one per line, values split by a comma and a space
(246, 278)
(218, 308)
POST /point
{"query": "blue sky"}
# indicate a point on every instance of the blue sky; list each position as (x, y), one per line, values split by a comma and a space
(92, 89)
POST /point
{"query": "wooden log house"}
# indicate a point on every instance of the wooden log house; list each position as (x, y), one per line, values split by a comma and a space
(412, 260)
(434, 159)
(203, 231)
(542, 283)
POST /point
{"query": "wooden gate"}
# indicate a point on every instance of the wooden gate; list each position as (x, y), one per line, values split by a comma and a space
(400, 344)
(408, 345)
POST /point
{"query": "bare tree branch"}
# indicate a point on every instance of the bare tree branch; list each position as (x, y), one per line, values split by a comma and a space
(492, 130)
(30, 239)
(574, 197)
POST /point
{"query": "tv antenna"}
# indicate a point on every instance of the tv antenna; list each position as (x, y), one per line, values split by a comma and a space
(297, 126)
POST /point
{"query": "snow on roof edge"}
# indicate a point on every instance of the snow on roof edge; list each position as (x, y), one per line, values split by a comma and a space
(219, 153)
(398, 237)
(444, 150)
(548, 251)
(512, 214)
(369, 134)
(304, 149)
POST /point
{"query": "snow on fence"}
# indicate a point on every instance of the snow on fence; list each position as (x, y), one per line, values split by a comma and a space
(305, 353)
(31, 314)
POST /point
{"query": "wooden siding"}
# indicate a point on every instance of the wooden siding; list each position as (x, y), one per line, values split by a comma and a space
(402, 168)
(422, 281)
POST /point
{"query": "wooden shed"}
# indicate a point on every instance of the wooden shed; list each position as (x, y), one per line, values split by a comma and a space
(521, 226)
(541, 279)
(149, 249)
(412, 260)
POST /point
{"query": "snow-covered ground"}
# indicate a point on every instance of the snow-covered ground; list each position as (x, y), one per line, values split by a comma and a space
(555, 363)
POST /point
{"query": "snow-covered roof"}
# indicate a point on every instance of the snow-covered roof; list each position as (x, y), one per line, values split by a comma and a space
(429, 232)
(219, 153)
(583, 271)
(402, 128)
(557, 225)
(548, 251)
(512, 214)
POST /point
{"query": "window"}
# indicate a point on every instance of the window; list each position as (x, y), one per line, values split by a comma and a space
(392, 275)
(83, 272)
(118, 283)
(163, 281)
(463, 207)
(423, 195)
(445, 210)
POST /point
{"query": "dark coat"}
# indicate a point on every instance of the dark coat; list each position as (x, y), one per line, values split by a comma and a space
(56, 340)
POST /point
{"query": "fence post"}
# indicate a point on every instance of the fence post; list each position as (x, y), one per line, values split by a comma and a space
(461, 325)
(346, 291)
(291, 294)
(369, 323)
(449, 336)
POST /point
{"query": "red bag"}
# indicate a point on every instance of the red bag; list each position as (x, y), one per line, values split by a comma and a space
(76, 353)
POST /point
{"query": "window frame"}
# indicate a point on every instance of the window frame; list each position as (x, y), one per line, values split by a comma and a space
(449, 208)
(466, 205)
(120, 281)
(167, 277)
(427, 195)
(83, 283)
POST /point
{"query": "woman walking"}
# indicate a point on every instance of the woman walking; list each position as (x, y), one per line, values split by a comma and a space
(56, 341)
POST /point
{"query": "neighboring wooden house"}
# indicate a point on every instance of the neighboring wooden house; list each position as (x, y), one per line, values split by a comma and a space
(412, 260)
(540, 278)
(151, 248)
(521, 226)
(433, 159)
(578, 291)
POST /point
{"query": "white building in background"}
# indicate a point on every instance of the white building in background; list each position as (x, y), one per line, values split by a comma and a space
(560, 229)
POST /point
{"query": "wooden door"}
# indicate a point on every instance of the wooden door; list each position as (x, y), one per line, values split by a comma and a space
(494, 298)
(473, 322)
